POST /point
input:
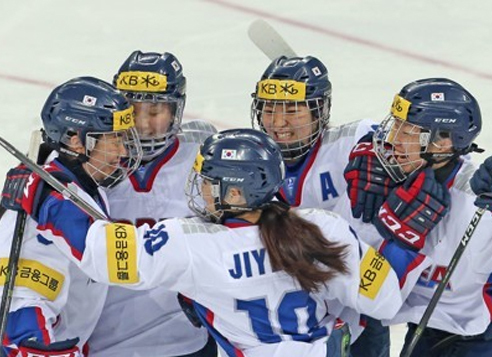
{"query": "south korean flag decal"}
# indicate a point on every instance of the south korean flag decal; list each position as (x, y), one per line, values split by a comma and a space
(89, 101)
(437, 97)
(316, 71)
(228, 154)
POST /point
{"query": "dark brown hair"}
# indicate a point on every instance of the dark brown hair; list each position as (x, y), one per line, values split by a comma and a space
(299, 248)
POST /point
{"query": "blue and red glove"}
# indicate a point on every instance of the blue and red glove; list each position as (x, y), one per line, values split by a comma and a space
(481, 185)
(413, 209)
(67, 348)
(13, 188)
(368, 183)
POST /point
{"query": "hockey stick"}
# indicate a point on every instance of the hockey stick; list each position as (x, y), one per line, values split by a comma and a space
(15, 249)
(67, 192)
(21, 220)
(268, 40)
(442, 284)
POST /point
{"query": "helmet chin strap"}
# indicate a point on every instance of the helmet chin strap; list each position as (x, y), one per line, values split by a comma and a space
(73, 154)
(437, 158)
(230, 211)
(64, 149)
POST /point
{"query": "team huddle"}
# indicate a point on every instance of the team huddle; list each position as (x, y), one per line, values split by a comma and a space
(291, 238)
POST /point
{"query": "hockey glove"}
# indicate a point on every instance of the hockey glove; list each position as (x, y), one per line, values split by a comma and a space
(368, 184)
(67, 348)
(481, 185)
(189, 310)
(13, 188)
(413, 209)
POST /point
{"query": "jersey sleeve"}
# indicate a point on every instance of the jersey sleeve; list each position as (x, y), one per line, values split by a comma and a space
(41, 290)
(63, 223)
(139, 258)
(378, 281)
(116, 253)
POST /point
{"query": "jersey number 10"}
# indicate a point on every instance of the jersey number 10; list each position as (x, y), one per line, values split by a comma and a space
(293, 305)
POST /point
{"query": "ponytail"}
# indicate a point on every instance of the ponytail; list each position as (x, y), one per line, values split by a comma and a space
(298, 247)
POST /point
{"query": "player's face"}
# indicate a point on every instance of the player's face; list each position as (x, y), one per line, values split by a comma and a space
(288, 123)
(106, 156)
(152, 119)
(407, 147)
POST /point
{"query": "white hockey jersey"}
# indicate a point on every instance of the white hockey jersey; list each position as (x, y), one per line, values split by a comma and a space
(226, 271)
(465, 307)
(318, 182)
(53, 300)
(151, 323)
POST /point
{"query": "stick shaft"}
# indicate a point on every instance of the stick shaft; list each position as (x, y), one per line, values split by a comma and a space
(442, 284)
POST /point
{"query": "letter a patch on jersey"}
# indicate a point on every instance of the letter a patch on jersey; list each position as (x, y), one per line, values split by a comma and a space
(374, 269)
(122, 253)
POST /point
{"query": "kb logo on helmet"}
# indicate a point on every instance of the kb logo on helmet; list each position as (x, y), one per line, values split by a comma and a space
(272, 88)
(143, 79)
(126, 119)
(281, 89)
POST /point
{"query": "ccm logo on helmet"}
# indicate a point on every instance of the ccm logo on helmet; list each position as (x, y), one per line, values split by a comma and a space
(75, 120)
(233, 179)
(445, 120)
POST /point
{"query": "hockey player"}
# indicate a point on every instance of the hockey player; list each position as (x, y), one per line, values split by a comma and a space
(292, 104)
(154, 325)
(266, 281)
(421, 145)
(55, 306)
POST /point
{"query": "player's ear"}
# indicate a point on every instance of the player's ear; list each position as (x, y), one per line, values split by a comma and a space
(235, 196)
(443, 145)
(75, 144)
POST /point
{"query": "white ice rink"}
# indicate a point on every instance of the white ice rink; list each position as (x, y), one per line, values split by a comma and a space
(371, 48)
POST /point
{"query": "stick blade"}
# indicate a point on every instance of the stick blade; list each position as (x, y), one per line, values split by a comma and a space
(34, 144)
(268, 40)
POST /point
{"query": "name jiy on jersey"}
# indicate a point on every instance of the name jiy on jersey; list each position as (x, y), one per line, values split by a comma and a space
(248, 264)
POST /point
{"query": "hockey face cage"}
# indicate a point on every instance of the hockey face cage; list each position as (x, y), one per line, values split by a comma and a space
(194, 190)
(402, 147)
(281, 110)
(112, 156)
(158, 120)
(205, 196)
